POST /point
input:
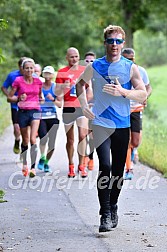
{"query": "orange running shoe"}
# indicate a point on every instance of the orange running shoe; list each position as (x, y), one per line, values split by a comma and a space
(71, 173)
(32, 173)
(85, 161)
(25, 171)
(81, 170)
(91, 165)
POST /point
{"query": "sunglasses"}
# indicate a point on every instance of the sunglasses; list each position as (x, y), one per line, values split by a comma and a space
(130, 58)
(87, 61)
(112, 40)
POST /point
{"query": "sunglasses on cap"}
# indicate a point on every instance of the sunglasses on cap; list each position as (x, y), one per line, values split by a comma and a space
(112, 40)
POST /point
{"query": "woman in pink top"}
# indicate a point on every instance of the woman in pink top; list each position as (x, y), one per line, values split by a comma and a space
(29, 97)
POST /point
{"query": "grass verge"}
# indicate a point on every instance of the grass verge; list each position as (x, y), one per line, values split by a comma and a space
(2, 193)
(5, 117)
(153, 148)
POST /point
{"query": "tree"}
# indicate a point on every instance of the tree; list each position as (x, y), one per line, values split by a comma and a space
(44, 29)
(131, 15)
(3, 25)
(56, 26)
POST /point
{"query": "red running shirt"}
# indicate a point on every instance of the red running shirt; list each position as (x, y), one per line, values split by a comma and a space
(71, 75)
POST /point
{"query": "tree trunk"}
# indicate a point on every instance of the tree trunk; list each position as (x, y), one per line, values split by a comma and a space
(129, 38)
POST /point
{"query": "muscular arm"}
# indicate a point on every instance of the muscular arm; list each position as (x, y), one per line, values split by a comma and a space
(139, 92)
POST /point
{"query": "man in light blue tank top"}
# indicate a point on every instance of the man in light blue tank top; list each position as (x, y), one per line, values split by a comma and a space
(113, 77)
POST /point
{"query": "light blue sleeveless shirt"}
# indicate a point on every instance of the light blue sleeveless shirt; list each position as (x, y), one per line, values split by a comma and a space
(48, 108)
(111, 111)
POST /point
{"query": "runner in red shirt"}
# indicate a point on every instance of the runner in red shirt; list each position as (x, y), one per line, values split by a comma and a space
(66, 90)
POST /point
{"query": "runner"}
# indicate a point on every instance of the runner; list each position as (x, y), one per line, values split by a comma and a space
(66, 89)
(114, 77)
(49, 123)
(14, 108)
(88, 159)
(135, 117)
(29, 94)
(38, 72)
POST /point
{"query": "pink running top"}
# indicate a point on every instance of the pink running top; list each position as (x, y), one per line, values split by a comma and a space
(31, 90)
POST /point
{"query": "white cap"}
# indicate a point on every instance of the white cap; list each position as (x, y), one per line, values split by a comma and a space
(48, 69)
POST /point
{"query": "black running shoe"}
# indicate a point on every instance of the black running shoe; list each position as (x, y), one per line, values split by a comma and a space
(105, 223)
(16, 148)
(114, 216)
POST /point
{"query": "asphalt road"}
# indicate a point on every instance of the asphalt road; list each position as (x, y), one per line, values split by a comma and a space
(53, 213)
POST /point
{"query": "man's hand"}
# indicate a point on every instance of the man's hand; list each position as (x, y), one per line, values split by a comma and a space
(113, 88)
(66, 84)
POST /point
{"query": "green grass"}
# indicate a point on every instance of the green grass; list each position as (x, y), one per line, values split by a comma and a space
(5, 117)
(158, 98)
(153, 150)
(2, 193)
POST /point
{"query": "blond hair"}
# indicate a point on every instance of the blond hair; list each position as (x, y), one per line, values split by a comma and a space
(27, 60)
(112, 29)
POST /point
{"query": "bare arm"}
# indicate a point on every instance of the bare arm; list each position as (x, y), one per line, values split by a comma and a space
(11, 97)
(138, 93)
(149, 90)
(58, 102)
(41, 97)
(59, 90)
(84, 78)
(5, 91)
(89, 91)
(81, 92)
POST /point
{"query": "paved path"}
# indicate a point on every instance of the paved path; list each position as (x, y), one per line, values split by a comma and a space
(52, 213)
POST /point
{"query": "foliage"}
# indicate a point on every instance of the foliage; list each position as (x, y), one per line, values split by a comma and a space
(45, 29)
(154, 51)
(153, 149)
(2, 193)
(2, 58)
(4, 113)
(3, 24)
